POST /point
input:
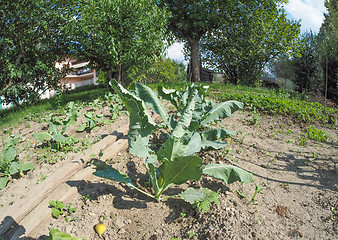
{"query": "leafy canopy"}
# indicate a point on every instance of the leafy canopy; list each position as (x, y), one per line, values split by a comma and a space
(248, 38)
(117, 36)
(32, 38)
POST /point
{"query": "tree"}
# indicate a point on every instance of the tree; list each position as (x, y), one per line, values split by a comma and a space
(328, 43)
(308, 69)
(119, 35)
(31, 42)
(248, 39)
(190, 20)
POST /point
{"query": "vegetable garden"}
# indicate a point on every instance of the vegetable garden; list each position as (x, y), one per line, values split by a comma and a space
(201, 164)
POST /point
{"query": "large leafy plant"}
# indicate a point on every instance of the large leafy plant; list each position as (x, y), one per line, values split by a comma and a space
(174, 162)
(9, 165)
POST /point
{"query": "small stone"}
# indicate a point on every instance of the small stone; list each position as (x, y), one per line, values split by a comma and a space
(128, 221)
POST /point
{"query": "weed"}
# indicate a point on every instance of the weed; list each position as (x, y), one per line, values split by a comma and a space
(255, 118)
(257, 190)
(55, 136)
(42, 178)
(85, 198)
(192, 233)
(317, 134)
(315, 155)
(269, 163)
(302, 141)
(60, 209)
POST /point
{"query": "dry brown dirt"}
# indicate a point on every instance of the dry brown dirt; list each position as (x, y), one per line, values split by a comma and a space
(299, 199)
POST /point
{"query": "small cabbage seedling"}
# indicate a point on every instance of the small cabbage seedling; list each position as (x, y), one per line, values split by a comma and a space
(175, 163)
(56, 134)
(9, 164)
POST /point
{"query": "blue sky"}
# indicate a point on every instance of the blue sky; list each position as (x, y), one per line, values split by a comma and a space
(309, 11)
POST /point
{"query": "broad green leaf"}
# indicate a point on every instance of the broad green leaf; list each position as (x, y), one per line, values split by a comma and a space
(180, 170)
(55, 212)
(52, 203)
(114, 174)
(200, 198)
(228, 173)
(55, 234)
(171, 149)
(20, 167)
(26, 166)
(10, 153)
(222, 110)
(150, 98)
(172, 121)
(71, 118)
(59, 138)
(3, 182)
(192, 143)
(82, 127)
(54, 126)
(141, 124)
(168, 94)
(42, 136)
(14, 168)
(211, 138)
(182, 126)
(59, 205)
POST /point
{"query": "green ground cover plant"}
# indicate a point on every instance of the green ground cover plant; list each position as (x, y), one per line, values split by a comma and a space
(174, 162)
(317, 134)
(281, 103)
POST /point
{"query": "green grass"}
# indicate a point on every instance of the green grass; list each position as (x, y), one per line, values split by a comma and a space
(12, 116)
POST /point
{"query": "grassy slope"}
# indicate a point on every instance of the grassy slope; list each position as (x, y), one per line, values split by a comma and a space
(12, 116)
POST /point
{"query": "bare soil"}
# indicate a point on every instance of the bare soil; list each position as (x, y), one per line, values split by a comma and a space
(299, 199)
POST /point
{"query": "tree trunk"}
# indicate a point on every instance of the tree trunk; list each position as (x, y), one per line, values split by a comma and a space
(194, 59)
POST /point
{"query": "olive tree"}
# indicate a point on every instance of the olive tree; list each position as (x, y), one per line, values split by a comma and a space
(119, 35)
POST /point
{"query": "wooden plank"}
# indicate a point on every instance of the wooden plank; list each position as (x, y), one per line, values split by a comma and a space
(21, 208)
